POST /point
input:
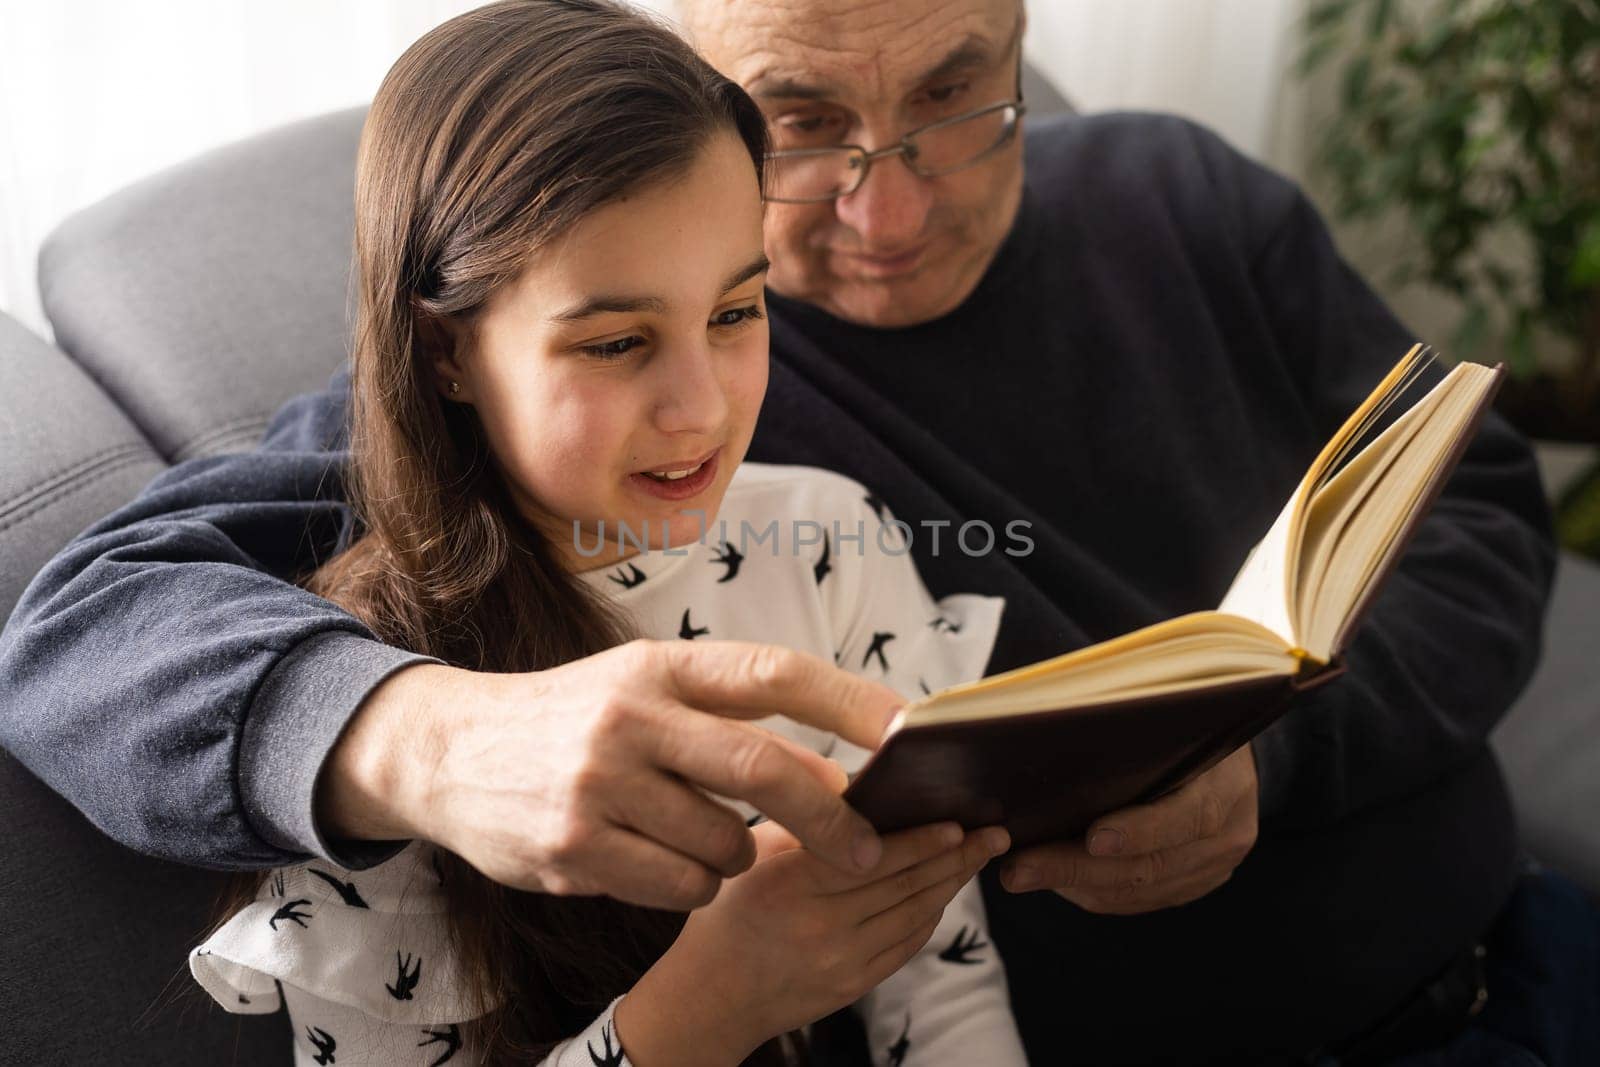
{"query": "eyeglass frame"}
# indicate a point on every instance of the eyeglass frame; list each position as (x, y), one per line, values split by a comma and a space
(903, 147)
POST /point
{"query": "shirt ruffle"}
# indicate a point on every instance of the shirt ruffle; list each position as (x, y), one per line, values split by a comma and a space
(377, 941)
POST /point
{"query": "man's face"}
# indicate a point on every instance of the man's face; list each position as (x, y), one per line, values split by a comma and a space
(901, 249)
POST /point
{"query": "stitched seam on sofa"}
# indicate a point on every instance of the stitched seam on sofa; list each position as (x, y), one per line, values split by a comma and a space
(218, 443)
(224, 429)
(15, 518)
(251, 423)
(25, 495)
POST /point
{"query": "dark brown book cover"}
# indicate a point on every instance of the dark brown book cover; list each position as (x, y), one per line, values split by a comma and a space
(1047, 775)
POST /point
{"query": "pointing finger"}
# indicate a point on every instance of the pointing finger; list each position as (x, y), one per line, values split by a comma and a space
(751, 681)
(745, 762)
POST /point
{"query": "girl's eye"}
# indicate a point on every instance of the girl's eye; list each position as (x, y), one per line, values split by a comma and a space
(612, 349)
(736, 316)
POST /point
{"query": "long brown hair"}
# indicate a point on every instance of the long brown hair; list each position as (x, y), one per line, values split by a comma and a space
(494, 133)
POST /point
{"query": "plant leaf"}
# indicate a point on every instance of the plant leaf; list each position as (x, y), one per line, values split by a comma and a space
(1585, 270)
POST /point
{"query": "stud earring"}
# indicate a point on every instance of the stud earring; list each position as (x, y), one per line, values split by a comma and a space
(455, 387)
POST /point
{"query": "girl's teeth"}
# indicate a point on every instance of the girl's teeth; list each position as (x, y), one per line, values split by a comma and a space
(672, 476)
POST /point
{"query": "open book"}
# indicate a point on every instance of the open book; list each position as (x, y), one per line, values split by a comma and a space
(1045, 749)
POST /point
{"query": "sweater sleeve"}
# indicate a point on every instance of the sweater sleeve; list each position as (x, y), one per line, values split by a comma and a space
(1455, 631)
(164, 674)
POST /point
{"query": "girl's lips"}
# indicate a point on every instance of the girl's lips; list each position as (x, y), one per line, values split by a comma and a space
(683, 488)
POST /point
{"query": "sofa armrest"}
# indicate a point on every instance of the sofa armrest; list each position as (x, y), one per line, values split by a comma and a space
(68, 456)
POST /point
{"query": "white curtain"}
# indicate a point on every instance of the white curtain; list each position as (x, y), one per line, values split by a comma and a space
(1221, 62)
(95, 94)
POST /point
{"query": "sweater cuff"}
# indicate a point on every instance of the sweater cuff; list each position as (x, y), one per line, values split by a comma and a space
(297, 716)
(1274, 759)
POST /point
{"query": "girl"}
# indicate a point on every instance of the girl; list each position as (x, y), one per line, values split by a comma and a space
(559, 361)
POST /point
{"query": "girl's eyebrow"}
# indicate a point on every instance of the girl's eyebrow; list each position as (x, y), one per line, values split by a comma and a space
(756, 266)
(604, 302)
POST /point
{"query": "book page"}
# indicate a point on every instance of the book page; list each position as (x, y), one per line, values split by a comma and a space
(1191, 650)
(1336, 506)
(1380, 525)
(1260, 591)
(1266, 588)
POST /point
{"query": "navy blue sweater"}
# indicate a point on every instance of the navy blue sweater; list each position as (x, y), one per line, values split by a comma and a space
(1159, 349)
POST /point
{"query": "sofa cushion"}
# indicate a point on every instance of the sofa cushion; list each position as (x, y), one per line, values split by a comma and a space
(67, 456)
(205, 296)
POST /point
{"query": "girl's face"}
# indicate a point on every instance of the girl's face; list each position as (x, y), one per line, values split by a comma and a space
(618, 378)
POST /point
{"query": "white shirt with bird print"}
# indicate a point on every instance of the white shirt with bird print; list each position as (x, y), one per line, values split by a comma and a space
(798, 557)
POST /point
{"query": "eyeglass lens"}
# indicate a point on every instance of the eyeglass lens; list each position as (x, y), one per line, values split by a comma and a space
(822, 174)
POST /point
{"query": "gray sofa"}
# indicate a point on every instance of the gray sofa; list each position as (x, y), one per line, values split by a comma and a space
(186, 309)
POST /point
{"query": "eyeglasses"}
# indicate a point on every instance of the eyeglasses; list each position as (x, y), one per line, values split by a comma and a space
(812, 175)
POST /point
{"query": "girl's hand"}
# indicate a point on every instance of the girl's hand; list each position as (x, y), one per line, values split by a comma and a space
(792, 940)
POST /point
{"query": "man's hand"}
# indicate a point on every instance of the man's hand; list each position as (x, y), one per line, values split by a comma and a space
(1152, 856)
(583, 779)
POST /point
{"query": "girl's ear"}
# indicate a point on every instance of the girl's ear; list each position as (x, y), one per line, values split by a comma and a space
(451, 380)
(450, 377)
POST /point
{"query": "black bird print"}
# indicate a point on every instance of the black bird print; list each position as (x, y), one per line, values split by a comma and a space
(406, 981)
(610, 1057)
(879, 639)
(837, 658)
(289, 911)
(630, 577)
(243, 999)
(277, 883)
(347, 890)
(323, 1042)
(958, 950)
(732, 558)
(821, 568)
(898, 1050)
(450, 1038)
(885, 521)
(924, 687)
(944, 624)
(688, 631)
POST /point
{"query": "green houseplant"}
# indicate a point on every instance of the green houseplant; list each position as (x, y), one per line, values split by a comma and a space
(1476, 125)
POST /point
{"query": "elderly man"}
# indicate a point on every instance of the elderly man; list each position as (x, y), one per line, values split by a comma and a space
(1114, 328)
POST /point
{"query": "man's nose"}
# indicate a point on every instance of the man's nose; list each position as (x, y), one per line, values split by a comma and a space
(689, 394)
(890, 207)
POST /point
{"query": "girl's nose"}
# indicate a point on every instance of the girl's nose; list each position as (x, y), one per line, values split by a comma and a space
(689, 394)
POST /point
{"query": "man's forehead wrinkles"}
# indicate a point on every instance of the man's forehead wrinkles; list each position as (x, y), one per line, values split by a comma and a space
(874, 47)
(799, 61)
(860, 64)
